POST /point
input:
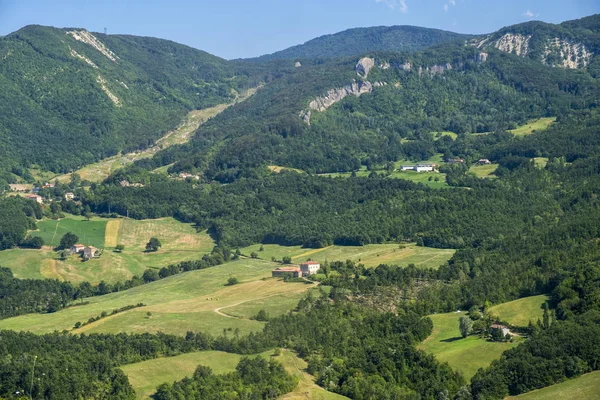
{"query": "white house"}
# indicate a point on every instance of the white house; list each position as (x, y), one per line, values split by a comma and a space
(425, 167)
(77, 248)
(69, 196)
(407, 168)
(35, 198)
(309, 268)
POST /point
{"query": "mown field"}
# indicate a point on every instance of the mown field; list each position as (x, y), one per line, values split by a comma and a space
(192, 301)
(520, 312)
(370, 255)
(465, 355)
(586, 387)
(484, 171)
(533, 126)
(180, 242)
(306, 389)
(146, 376)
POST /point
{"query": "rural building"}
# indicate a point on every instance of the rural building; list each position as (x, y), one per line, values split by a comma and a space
(483, 161)
(90, 252)
(419, 167)
(48, 185)
(295, 272)
(455, 160)
(77, 248)
(35, 198)
(503, 328)
(69, 196)
(310, 268)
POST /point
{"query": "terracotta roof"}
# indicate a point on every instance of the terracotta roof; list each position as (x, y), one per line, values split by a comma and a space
(312, 263)
(287, 269)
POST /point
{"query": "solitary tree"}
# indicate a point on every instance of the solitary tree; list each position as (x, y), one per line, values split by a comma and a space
(465, 325)
(68, 240)
(119, 248)
(232, 281)
(153, 244)
(287, 260)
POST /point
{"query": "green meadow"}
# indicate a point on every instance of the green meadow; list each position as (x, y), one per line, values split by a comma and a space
(465, 355)
(90, 233)
(191, 301)
(370, 255)
(586, 387)
(146, 376)
(520, 312)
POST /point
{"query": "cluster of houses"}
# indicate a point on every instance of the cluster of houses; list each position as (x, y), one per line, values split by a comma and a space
(87, 252)
(305, 269)
(32, 192)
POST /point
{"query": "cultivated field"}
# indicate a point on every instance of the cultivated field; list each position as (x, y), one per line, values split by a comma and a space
(180, 242)
(484, 171)
(370, 255)
(586, 387)
(146, 376)
(192, 301)
(532, 126)
(520, 312)
(464, 355)
(306, 389)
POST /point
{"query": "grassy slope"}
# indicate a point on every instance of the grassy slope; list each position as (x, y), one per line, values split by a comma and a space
(306, 389)
(146, 376)
(484, 171)
(370, 255)
(586, 387)
(533, 126)
(180, 242)
(465, 355)
(520, 312)
(181, 303)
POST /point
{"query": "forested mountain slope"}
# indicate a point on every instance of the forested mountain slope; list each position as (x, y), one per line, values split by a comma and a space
(353, 42)
(69, 97)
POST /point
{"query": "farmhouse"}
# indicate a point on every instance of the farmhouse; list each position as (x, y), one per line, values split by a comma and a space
(454, 160)
(35, 198)
(77, 248)
(503, 328)
(89, 252)
(310, 268)
(295, 272)
(483, 161)
(69, 196)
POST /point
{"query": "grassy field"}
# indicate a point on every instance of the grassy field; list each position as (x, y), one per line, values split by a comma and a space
(520, 312)
(89, 232)
(445, 133)
(464, 355)
(192, 301)
(540, 162)
(370, 255)
(484, 171)
(306, 389)
(146, 376)
(586, 387)
(180, 242)
(532, 126)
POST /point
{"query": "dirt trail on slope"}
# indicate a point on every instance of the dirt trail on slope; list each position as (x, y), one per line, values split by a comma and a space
(100, 170)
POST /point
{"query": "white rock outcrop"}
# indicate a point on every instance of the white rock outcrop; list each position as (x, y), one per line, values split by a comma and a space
(297, 64)
(107, 91)
(514, 43)
(572, 55)
(333, 96)
(84, 58)
(363, 66)
(86, 37)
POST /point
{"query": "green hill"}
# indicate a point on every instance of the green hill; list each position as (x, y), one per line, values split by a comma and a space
(353, 42)
(70, 97)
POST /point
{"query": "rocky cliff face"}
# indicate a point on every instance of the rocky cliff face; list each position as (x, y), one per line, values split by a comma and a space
(566, 54)
(363, 66)
(333, 96)
(517, 44)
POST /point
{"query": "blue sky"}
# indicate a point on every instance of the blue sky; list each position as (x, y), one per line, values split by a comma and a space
(246, 28)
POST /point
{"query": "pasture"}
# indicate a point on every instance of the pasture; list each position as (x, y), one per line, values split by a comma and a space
(465, 355)
(520, 312)
(370, 255)
(192, 301)
(533, 126)
(146, 376)
(484, 171)
(307, 388)
(180, 242)
(585, 387)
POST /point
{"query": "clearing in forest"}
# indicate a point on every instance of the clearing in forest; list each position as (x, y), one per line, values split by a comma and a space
(520, 312)
(307, 388)
(484, 171)
(370, 255)
(466, 355)
(146, 376)
(532, 126)
(586, 387)
(191, 301)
